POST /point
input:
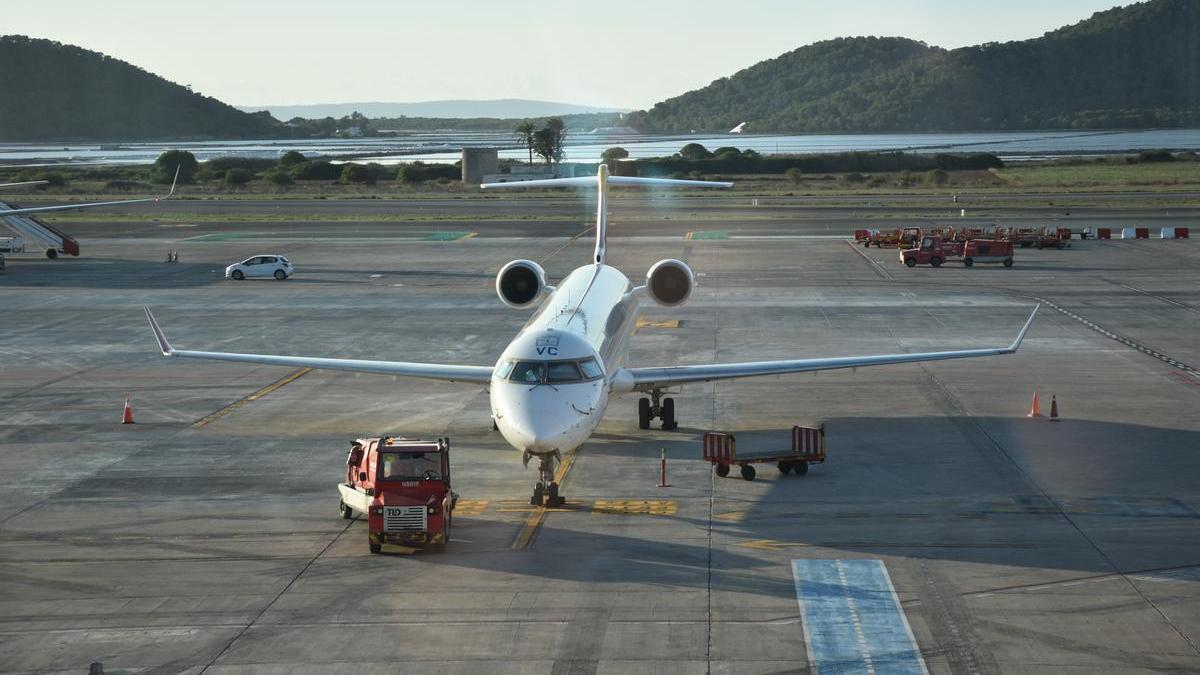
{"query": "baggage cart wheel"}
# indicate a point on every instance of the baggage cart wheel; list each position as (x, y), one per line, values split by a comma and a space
(801, 467)
(346, 512)
(643, 413)
(748, 472)
(968, 261)
(1008, 262)
(51, 253)
(721, 469)
(935, 262)
(375, 548)
(910, 261)
(785, 468)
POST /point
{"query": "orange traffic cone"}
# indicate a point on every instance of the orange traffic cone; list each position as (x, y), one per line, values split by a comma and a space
(127, 417)
(1053, 409)
(1034, 411)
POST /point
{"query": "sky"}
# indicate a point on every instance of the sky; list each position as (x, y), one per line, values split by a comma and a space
(619, 53)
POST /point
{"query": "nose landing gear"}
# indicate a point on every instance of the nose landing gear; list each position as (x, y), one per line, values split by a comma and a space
(657, 406)
(546, 490)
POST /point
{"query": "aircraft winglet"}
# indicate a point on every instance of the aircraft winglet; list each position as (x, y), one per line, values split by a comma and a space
(1025, 329)
(163, 345)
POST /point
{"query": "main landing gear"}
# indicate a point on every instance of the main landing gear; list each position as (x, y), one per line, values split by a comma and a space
(657, 406)
(546, 491)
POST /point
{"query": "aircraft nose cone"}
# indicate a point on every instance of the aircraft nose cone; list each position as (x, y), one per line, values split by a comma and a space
(539, 430)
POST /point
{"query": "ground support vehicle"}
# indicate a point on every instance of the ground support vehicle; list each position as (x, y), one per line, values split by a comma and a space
(988, 251)
(403, 488)
(883, 238)
(933, 251)
(808, 447)
(1060, 238)
(261, 267)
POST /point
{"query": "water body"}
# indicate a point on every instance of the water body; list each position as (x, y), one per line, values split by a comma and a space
(446, 146)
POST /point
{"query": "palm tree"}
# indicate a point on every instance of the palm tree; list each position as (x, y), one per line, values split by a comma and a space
(524, 133)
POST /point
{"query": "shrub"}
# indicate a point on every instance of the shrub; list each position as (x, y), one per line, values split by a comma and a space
(219, 165)
(356, 173)
(854, 177)
(613, 154)
(238, 177)
(121, 185)
(1155, 156)
(316, 171)
(167, 163)
(937, 177)
(279, 177)
(419, 172)
(694, 151)
(794, 174)
(291, 158)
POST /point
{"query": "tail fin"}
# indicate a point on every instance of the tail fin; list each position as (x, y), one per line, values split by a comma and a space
(601, 181)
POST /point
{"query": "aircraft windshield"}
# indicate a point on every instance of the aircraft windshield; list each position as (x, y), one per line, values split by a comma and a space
(550, 372)
(410, 466)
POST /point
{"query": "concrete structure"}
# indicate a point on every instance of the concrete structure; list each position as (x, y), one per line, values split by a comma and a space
(476, 162)
(205, 537)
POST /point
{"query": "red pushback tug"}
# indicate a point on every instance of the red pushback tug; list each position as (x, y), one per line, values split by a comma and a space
(403, 488)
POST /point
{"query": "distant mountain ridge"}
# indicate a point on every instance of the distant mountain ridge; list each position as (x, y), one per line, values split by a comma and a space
(1129, 67)
(505, 108)
(50, 90)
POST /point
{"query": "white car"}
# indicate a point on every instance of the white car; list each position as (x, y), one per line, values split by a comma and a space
(260, 266)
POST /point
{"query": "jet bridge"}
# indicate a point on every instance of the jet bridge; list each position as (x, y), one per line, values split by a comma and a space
(38, 235)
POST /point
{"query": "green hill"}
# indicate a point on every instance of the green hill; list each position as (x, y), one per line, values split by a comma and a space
(1129, 67)
(54, 91)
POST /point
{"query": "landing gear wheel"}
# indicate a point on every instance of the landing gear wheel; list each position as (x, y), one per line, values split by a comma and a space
(722, 470)
(643, 413)
(280, 275)
(346, 512)
(375, 548)
(935, 262)
(800, 467)
(237, 275)
(748, 472)
(552, 498)
(668, 415)
(785, 468)
(910, 262)
(539, 491)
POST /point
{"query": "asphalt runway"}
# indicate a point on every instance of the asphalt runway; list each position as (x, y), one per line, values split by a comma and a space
(204, 538)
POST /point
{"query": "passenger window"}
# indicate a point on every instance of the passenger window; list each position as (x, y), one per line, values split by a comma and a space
(591, 369)
(268, 260)
(530, 372)
(563, 371)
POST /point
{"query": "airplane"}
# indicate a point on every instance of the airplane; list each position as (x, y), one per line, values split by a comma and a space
(550, 387)
(738, 129)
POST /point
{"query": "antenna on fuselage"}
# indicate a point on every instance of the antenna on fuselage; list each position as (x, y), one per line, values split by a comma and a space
(601, 181)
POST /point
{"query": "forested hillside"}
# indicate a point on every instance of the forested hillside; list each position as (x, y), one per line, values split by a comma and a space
(1130, 67)
(50, 90)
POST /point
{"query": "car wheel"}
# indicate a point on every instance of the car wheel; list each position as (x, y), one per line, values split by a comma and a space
(280, 275)
(237, 274)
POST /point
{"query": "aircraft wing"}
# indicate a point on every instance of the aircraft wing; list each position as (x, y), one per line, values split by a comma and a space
(645, 379)
(429, 371)
(68, 207)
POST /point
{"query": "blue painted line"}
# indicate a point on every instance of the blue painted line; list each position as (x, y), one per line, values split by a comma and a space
(852, 619)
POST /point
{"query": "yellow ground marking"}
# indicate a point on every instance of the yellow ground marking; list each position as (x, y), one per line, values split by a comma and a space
(470, 235)
(688, 236)
(470, 507)
(630, 507)
(731, 517)
(251, 398)
(643, 322)
(534, 522)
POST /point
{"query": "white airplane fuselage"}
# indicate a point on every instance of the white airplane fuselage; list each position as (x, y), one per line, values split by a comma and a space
(590, 315)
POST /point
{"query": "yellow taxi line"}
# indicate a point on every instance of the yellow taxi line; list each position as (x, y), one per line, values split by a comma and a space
(252, 397)
(534, 522)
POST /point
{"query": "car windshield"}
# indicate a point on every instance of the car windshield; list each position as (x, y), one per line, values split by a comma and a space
(410, 466)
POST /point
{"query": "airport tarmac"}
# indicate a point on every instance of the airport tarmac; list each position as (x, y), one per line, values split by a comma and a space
(204, 538)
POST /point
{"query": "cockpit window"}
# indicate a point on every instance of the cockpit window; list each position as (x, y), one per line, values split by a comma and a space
(504, 369)
(591, 369)
(563, 371)
(531, 372)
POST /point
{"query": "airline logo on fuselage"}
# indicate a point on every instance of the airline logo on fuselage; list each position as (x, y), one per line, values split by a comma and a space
(547, 346)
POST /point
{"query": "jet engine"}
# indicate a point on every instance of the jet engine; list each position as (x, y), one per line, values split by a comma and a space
(520, 283)
(670, 282)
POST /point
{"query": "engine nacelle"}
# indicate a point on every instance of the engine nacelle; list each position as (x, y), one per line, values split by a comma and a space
(520, 283)
(670, 282)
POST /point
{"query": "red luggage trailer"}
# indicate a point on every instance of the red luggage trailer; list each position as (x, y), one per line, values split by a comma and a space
(808, 447)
